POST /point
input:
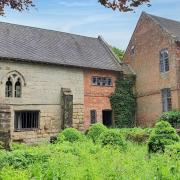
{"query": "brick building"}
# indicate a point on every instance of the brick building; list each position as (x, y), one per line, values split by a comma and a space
(154, 54)
(51, 80)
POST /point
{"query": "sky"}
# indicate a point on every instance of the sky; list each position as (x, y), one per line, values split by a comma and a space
(89, 18)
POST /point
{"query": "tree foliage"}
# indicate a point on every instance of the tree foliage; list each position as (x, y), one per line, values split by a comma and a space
(118, 52)
(18, 5)
(123, 5)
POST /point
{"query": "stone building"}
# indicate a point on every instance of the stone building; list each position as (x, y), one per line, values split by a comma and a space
(51, 80)
(154, 54)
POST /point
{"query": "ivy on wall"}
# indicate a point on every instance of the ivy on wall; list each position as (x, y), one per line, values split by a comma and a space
(123, 102)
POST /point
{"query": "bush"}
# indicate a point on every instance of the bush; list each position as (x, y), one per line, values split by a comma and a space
(70, 134)
(137, 135)
(162, 135)
(95, 131)
(173, 149)
(112, 138)
(173, 117)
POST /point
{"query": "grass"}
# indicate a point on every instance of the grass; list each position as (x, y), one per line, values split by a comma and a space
(86, 161)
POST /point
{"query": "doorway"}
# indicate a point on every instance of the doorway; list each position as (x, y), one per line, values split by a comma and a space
(107, 117)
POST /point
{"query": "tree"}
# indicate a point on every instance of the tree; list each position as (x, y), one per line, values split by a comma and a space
(123, 5)
(18, 5)
(118, 52)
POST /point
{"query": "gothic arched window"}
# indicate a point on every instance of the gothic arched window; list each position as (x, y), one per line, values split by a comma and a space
(17, 88)
(14, 82)
(9, 88)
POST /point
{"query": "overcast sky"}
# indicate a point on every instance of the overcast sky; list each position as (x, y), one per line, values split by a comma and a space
(89, 18)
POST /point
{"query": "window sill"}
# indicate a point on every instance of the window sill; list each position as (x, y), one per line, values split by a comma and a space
(102, 86)
(26, 130)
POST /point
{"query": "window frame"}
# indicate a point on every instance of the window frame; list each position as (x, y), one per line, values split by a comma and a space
(102, 81)
(166, 99)
(95, 116)
(18, 80)
(17, 129)
(164, 61)
(9, 80)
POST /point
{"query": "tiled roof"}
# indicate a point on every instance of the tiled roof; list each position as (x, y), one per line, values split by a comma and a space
(171, 26)
(47, 46)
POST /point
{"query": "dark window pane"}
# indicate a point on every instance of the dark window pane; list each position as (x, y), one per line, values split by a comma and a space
(8, 90)
(109, 82)
(18, 88)
(99, 81)
(166, 99)
(164, 61)
(93, 116)
(94, 80)
(26, 120)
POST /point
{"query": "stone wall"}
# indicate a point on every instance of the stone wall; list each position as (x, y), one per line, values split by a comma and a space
(148, 40)
(42, 91)
(5, 122)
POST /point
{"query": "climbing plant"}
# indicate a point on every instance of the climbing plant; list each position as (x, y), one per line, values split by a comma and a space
(123, 102)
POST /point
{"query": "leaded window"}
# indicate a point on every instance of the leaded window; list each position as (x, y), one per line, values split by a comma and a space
(164, 61)
(17, 90)
(101, 81)
(166, 99)
(9, 88)
(93, 116)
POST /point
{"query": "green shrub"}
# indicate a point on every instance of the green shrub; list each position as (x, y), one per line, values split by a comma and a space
(112, 138)
(173, 149)
(162, 135)
(137, 135)
(71, 135)
(173, 117)
(95, 131)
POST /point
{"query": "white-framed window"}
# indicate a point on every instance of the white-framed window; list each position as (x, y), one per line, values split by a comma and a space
(101, 81)
(166, 99)
(164, 61)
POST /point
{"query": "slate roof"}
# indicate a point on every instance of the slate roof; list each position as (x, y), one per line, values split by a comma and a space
(170, 26)
(53, 47)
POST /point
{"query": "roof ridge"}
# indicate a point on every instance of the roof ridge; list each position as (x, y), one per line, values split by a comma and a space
(105, 44)
(154, 16)
(44, 29)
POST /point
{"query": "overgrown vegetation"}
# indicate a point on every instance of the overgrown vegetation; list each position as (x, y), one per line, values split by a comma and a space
(107, 157)
(173, 117)
(119, 53)
(123, 102)
(162, 135)
(95, 131)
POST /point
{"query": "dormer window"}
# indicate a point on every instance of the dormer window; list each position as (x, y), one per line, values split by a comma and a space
(164, 61)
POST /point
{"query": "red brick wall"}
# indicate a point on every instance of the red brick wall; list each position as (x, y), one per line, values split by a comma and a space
(96, 97)
(149, 39)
